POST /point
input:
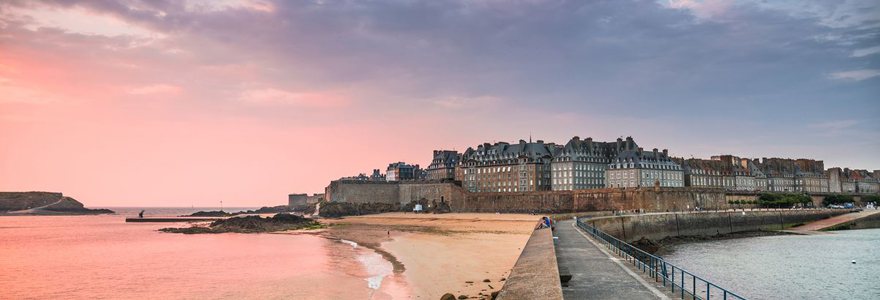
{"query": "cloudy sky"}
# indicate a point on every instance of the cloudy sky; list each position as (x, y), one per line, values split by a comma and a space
(178, 103)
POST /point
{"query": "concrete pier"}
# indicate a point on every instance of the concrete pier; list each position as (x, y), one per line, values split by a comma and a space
(535, 275)
(596, 274)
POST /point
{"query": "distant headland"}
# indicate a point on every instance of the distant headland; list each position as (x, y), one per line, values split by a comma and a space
(43, 203)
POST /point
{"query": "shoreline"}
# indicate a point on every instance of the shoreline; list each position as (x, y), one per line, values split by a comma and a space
(443, 253)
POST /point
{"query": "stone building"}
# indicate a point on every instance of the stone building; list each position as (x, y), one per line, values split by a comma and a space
(834, 177)
(400, 171)
(377, 175)
(780, 174)
(724, 171)
(751, 170)
(860, 181)
(794, 175)
(443, 165)
(634, 167)
(297, 199)
(707, 173)
(504, 167)
(810, 176)
(581, 164)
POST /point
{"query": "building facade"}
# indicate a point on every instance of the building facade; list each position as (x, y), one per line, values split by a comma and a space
(639, 168)
(581, 164)
(724, 171)
(443, 165)
(400, 171)
(504, 167)
(810, 176)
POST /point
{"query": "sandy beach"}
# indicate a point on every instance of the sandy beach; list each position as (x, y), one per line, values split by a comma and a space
(442, 253)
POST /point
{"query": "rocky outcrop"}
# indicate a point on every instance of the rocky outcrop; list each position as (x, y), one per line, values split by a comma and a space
(43, 203)
(213, 213)
(341, 209)
(11, 201)
(251, 224)
(261, 210)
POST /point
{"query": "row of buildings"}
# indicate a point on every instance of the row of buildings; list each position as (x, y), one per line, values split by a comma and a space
(579, 164)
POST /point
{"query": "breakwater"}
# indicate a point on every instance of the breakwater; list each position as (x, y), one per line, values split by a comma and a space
(661, 225)
(536, 273)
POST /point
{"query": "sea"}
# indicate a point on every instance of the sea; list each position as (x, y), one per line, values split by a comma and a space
(102, 257)
(839, 265)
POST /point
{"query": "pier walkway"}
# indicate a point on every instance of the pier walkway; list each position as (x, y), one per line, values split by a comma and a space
(596, 274)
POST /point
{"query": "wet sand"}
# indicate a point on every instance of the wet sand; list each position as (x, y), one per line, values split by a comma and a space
(438, 254)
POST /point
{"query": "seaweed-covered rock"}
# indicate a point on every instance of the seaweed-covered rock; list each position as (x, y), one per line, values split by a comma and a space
(213, 213)
(341, 209)
(251, 224)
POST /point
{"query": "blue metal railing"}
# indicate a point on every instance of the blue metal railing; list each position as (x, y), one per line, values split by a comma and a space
(680, 282)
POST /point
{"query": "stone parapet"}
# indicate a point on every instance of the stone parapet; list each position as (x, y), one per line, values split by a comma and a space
(536, 273)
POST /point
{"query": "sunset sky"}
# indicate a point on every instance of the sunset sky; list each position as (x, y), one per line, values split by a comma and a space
(179, 103)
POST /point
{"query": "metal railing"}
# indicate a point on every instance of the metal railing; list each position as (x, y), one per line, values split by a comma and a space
(681, 282)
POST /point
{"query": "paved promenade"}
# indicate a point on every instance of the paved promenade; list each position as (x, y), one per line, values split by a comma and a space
(596, 274)
(818, 225)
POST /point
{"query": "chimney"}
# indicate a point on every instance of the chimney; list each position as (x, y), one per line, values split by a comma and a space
(619, 140)
(629, 143)
(763, 160)
(666, 152)
(589, 142)
(655, 154)
(640, 151)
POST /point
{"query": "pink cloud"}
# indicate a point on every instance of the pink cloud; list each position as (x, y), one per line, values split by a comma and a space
(154, 89)
(271, 96)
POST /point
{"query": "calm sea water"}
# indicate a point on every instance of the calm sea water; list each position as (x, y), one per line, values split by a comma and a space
(102, 257)
(790, 266)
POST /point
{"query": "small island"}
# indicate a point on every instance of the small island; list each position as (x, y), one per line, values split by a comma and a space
(251, 224)
(43, 203)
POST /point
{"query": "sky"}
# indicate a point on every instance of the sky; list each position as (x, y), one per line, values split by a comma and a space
(179, 103)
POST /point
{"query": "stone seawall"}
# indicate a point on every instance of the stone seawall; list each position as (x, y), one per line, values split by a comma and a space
(536, 273)
(869, 222)
(658, 226)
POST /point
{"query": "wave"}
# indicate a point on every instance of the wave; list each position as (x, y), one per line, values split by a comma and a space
(353, 244)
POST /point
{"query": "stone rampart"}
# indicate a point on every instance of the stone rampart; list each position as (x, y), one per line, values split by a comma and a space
(658, 226)
(649, 199)
(549, 202)
(363, 192)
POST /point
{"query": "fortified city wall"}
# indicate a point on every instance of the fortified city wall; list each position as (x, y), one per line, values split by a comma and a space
(460, 200)
(656, 199)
